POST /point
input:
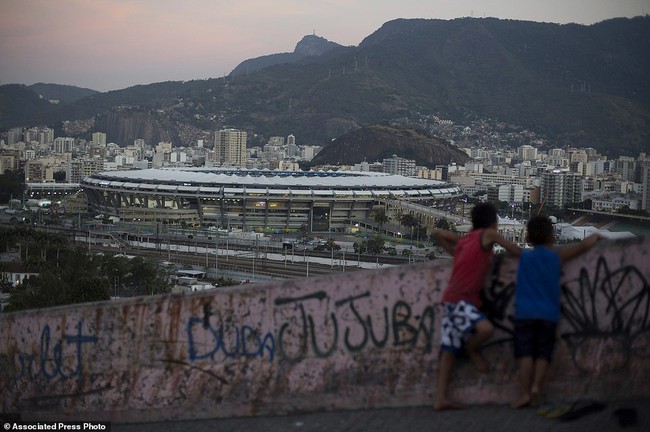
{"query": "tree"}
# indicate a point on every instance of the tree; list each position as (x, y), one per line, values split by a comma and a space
(145, 279)
(375, 244)
(76, 275)
(11, 185)
(409, 221)
(303, 231)
(88, 289)
(332, 245)
(380, 217)
(360, 248)
(59, 176)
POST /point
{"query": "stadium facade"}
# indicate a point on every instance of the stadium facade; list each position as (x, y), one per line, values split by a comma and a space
(250, 199)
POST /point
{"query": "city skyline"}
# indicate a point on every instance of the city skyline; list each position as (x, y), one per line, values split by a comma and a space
(113, 44)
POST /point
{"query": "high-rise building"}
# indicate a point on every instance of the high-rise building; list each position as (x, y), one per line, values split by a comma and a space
(230, 147)
(400, 166)
(31, 135)
(14, 135)
(42, 170)
(139, 143)
(292, 148)
(63, 144)
(99, 138)
(162, 155)
(46, 136)
(78, 169)
(645, 182)
(560, 187)
(527, 152)
(626, 167)
(308, 152)
(474, 166)
(7, 162)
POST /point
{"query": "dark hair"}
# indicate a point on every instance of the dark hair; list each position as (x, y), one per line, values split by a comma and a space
(540, 230)
(484, 215)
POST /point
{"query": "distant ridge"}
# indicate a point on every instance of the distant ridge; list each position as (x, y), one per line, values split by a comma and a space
(61, 93)
(556, 85)
(309, 46)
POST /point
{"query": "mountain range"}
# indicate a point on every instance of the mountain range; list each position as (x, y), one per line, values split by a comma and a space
(569, 84)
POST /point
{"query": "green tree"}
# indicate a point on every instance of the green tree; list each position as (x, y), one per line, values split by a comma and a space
(59, 176)
(11, 185)
(145, 278)
(375, 245)
(380, 217)
(409, 221)
(76, 275)
(87, 289)
(331, 244)
(360, 247)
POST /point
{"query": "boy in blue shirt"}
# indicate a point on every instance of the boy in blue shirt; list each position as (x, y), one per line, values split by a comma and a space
(537, 305)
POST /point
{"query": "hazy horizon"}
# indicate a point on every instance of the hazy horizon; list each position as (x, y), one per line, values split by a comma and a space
(113, 44)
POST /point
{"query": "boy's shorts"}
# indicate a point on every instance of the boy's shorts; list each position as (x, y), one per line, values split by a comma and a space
(458, 322)
(534, 338)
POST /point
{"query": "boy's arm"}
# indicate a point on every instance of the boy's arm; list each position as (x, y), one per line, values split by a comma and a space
(568, 252)
(491, 236)
(447, 240)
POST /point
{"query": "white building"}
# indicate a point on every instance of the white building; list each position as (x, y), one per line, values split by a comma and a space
(560, 187)
(63, 145)
(527, 152)
(399, 166)
(230, 147)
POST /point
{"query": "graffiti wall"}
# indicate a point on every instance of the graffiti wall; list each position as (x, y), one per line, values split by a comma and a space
(352, 340)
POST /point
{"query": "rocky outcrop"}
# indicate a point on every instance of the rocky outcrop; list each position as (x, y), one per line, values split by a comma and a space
(124, 127)
(377, 142)
(309, 46)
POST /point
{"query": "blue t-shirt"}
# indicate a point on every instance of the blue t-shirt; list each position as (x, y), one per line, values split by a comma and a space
(537, 295)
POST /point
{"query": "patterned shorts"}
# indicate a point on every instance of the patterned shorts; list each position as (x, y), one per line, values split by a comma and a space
(458, 322)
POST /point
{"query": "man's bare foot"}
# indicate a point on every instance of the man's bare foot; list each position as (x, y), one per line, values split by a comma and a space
(446, 404)
(522, 402)
(480, 363)
(536, 398)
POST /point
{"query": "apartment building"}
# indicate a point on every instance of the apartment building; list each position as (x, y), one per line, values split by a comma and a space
(99, 138)
(399, 166)
(230, 147)
(560, 187)
(63, 145)
(7, 162)
(645, 182)
(78, 169)
(527, 153)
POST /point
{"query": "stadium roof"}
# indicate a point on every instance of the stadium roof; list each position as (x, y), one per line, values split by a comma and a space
(266, 178)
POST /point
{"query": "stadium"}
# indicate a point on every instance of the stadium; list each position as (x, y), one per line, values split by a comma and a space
(252, 199)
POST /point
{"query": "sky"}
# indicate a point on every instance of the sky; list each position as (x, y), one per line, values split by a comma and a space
(113, 44)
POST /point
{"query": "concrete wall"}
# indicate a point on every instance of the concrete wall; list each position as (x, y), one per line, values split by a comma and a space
(352, 340)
